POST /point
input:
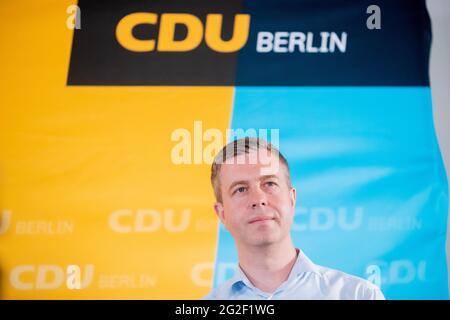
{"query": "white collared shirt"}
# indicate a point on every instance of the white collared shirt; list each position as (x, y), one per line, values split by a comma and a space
(306, 281)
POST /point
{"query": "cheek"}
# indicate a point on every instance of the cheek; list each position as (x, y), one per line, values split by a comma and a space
(236, 204)
(283, 204)
(234, 212)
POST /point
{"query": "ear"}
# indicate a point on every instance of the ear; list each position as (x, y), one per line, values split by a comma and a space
(293, 196)
(218, 208)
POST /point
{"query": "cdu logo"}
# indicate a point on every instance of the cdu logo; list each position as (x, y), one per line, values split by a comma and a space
(51, 276)
(149, 220)
(194, 32)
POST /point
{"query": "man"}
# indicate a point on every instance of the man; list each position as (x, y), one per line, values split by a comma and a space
(255, 201)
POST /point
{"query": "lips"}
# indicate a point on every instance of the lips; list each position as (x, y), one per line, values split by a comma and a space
(261, 219)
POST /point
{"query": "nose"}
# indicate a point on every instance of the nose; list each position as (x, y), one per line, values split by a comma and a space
(258, 204)
(258, 198)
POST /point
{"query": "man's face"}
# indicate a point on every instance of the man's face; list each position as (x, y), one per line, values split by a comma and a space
(257, 204)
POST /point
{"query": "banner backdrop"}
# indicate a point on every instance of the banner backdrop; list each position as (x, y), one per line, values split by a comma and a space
(111, 113)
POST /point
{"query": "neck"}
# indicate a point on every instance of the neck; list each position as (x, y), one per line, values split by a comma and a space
(267, 267)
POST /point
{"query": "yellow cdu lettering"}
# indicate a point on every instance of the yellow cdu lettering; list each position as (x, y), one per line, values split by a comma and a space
(166, 41)
(214, 29)
(124, 31)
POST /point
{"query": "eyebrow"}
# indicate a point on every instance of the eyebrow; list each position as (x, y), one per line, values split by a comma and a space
(237, 183)
(265, 177)
(268, 176)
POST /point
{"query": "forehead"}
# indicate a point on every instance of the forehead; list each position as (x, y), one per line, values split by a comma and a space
(251, 166)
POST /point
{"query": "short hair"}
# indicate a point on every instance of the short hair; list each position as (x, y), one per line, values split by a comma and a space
(239, 147)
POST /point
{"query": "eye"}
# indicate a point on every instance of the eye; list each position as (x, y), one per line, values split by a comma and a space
(240, 189)
(271, 183)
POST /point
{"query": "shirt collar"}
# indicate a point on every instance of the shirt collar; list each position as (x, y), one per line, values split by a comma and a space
(302, 265)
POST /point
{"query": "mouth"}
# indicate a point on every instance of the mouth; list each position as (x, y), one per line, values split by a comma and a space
(261, 219)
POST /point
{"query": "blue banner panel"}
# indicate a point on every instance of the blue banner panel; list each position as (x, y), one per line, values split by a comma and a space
(372, 194)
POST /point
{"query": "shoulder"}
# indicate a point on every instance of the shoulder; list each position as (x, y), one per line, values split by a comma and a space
(222, 292)
(345, 286)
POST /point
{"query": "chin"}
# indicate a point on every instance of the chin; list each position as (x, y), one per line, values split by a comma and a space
(264, 241)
